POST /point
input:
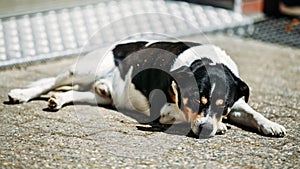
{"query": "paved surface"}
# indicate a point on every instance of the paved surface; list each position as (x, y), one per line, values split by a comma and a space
(87, 136)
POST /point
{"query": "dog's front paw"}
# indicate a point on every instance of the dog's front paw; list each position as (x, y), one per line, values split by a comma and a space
(270, 128)
(54, 103)
(18, 96)
(204, 127)
(222, 129)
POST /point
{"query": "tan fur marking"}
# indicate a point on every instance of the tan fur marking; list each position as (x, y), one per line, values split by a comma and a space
(194, 118)
(190, 115)
(204, 100)
(228, 111)
(173, 92)
(185, 101)
(219, 102)
(173, 97)
(174, 88)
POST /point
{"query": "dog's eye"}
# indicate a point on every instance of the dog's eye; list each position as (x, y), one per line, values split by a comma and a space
(203, 100)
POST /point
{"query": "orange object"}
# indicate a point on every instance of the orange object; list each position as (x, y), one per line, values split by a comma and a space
(252, 6)
(289, 27)
(295, 22)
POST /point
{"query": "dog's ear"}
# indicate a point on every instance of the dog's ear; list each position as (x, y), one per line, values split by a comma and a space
(183, 76)
(243, 90)
(242, 87)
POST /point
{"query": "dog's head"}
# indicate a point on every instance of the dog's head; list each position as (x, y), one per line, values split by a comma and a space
(203, 93)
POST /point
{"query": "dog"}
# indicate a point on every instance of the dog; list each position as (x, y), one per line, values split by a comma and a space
(173, 82)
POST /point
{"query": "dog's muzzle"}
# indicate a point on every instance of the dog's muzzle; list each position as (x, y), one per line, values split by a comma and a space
(205, 127)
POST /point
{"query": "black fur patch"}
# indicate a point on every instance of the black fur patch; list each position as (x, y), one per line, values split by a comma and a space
(151, 67)
(160, 55)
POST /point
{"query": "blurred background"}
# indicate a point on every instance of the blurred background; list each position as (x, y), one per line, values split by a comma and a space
(35, 30)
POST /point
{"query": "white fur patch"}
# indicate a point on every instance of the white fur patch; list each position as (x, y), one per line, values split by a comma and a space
(149, 42)
(106, 65)
(214, 53)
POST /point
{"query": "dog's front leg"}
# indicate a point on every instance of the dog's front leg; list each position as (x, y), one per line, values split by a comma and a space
(57, 100)
(242, 114)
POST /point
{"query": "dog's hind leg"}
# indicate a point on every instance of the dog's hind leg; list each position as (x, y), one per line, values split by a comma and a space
(57, 100)
(39, 87)
(242, 114)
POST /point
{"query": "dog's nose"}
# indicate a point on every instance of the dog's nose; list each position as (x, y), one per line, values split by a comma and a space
(207, 130)
(205, 127)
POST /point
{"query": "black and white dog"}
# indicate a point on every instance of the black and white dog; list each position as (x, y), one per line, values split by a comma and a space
(173, 81)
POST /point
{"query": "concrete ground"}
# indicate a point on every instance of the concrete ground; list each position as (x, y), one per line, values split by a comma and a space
(87, 136)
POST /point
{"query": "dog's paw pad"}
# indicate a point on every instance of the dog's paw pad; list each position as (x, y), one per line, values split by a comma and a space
(103, 92)
(53, 103)
(13, 100)
(102, 89)
(272, 129)
(18, 96)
